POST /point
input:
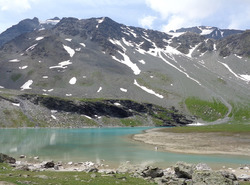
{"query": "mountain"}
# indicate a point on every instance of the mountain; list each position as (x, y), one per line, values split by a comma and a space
(209, 32)
(26, 26)
(100, 58)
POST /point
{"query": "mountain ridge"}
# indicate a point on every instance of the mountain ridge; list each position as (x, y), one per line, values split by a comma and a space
(100, 58)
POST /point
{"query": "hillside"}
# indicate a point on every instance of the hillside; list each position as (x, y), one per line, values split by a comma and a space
(100, 58)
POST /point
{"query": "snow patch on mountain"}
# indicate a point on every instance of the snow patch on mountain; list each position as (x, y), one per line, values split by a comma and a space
(247, 77)
(70, 51)
(39, 38)
(142, 61)
(31, 47)
(99, 90)
(27, 85)
(117, 42)
(14, 60)
(238, 56)
(68, 39)
(16, 104)
(72, 81)
(132, 32)
(23, 67)
(53, 117)
(100, 20)
(206, 31)
(244, 77)
(82, 44)
(175, 34)
(117, 104)
(127, 43)
(126, 60)
(192, 50)
(62, 65)
(123, 90)
(87, 116)
(150, 91)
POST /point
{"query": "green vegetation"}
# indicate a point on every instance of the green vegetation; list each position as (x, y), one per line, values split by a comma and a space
(240, 113)
(206, 110)
(14, 77)
(17, 118)
(157, 122)
(224, 128)
(87, 121)
(53, 177)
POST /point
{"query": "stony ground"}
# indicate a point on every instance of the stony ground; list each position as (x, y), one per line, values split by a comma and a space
(49, 172)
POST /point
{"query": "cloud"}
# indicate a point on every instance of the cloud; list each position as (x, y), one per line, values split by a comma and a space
(15, 5)
(178, 13)
(147, 21)
(181, 13)
(240, 16)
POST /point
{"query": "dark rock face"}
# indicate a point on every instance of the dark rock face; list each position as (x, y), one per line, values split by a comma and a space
(25, 26)
(186, 41)
(107, 108)
(215, 33)
(235, 44)
(206, 46)
(7, 159)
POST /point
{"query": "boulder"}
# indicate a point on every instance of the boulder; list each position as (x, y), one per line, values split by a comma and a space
(244, 177)
(50, 164)
(212, 177)
(7, 159)
(22, 156)
(152, 172)
(202, 167)
(184, 170)
(92, 170)
(228, 175)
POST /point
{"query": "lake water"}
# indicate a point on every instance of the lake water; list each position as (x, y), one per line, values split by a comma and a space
(94, 144)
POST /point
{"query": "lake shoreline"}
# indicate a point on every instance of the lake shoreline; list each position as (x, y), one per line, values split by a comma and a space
(194, 143)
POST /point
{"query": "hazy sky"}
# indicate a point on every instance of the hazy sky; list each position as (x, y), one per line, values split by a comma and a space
(163, 15)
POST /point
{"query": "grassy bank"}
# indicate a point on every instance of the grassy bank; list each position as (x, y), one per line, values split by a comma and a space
(206, 110)
(7, 174)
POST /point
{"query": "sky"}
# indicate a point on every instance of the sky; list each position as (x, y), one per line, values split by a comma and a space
(162, 15)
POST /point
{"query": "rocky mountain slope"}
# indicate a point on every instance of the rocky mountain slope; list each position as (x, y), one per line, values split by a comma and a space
(210, 32)
(100, 58)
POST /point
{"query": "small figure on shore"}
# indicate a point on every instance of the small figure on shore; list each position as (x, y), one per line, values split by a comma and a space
(156, 148)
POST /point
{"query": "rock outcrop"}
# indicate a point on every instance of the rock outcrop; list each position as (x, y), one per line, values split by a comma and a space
(7, 159)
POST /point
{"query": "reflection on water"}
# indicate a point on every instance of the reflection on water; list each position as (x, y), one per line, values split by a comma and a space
(95, 144)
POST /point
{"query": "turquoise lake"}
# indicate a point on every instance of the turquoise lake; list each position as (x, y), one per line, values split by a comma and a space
(94, 144)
